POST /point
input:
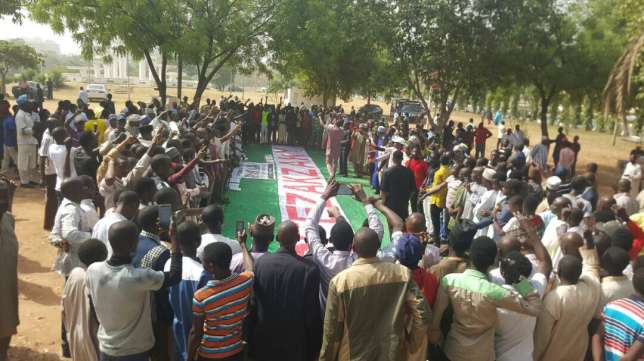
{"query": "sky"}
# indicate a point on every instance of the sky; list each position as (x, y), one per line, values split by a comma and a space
(30, 30)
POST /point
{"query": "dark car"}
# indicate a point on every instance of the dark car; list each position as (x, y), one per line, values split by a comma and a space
(370, 111)
(411, 109)
(26, 87)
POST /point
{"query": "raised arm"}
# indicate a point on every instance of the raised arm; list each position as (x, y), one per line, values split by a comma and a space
(311, 232)
(247, 259)
(395, 222)
(372, 215)
(176, 177)
(540, 251)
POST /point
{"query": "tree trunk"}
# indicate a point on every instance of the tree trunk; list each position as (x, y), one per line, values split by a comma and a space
(545, 102)
(163, 88)
(578, 108)
(4, 84)
(179, 75)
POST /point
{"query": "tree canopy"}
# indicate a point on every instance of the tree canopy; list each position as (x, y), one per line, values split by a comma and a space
(15, 56)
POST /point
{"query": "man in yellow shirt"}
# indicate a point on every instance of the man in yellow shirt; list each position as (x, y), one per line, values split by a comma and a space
(438, 193)
(97, 126)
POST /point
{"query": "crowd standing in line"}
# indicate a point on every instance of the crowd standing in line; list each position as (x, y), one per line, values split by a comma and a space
(493, 255)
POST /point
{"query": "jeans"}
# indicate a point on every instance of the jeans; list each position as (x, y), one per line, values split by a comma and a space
(138, 357)
(480, 151)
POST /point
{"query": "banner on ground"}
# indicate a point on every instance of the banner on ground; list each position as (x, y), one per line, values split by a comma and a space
(250, 170)
(300, 185)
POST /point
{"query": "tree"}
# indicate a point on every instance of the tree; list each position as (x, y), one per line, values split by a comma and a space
(225, 32)
(624, 74)
(447, 48)
(16, 56)
(146, 29)
(11, 8)
(329, 46)
(541, 51)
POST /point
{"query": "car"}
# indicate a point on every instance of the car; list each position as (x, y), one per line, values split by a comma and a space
(26, 87)
(412, 109)
(371, 111)
(96, 92)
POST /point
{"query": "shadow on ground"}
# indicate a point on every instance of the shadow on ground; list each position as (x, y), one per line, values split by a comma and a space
(25, 354)
(37, 293)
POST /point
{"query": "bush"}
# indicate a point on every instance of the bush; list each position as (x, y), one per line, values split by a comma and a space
(56, 76)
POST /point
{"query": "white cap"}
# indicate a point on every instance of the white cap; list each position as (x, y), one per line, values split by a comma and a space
(553, 183)
(399, 140)
(489, 174)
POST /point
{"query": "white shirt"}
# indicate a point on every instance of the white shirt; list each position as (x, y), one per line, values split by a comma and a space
(630, 204)
(91, 215)
(121, 297)
(208, 238)
(43, 151)
(82, 95)
(102, 228)
(71, 225)
(550, 239)
(500, 130)
(237, 262)
(633, 172)
(24, 128)
(57, 154)
(514, 332)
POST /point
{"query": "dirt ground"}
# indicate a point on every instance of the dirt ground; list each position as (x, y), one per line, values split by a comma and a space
(40, 288)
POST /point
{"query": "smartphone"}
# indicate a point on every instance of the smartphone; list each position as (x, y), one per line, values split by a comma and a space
(344, 190)
(240, 226)
(165, 215)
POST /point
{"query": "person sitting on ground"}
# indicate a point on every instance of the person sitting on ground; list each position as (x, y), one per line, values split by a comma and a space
(79, 320)
(213, 217)
(120, 294)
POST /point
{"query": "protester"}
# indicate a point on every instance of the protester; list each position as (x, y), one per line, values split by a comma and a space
(391, 294)
(121, 298)
(221, 306)
(286, 290)
(8, 272)
(79, 320)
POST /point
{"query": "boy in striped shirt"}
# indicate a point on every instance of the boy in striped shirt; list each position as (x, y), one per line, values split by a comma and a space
(220, 307)
(623, 326)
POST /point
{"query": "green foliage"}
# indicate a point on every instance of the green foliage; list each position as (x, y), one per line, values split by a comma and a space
(332, 46)
(15, 56)
(11, 8)
(55, 74)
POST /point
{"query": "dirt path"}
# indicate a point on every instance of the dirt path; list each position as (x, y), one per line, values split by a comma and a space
(39, 287)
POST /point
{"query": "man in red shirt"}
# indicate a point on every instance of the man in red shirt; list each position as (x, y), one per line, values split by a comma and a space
(480, 136)
(419, 167)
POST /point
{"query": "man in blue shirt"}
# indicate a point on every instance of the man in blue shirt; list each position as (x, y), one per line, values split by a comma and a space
(10, 143)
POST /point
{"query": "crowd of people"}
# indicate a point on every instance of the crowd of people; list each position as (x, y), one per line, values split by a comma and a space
(495, 254)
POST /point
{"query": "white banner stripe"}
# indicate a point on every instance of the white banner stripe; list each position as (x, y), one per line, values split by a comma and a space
(300, 185)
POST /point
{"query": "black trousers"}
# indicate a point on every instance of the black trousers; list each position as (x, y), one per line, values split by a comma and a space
(344, 167)
(4, 347)
(436, 214)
